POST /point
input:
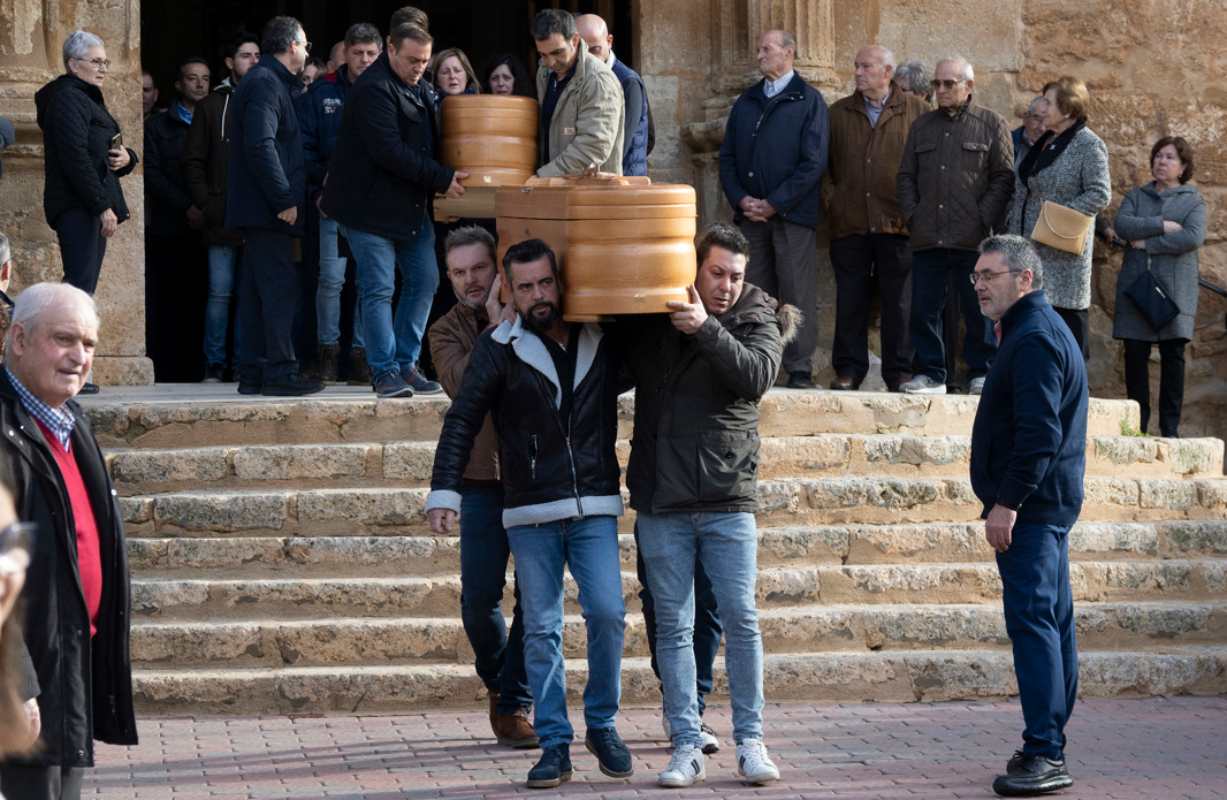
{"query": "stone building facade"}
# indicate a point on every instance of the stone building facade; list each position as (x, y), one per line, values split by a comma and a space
(1150, 67)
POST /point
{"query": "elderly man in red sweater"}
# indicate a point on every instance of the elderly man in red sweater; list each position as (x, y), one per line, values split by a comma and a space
(76, 671)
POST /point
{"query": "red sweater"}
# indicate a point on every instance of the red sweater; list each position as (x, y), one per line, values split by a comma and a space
(89, 556)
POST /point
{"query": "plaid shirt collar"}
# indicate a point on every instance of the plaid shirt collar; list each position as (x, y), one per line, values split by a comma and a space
(59, 421)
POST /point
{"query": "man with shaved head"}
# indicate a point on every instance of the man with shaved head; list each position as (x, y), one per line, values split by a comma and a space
(771, 165)
(76, 675)
(868, 233)
(639, 130)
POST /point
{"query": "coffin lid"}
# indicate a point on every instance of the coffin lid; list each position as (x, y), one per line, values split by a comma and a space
(596, 198)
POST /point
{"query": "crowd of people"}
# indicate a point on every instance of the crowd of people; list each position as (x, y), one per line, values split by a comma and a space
(917, 199)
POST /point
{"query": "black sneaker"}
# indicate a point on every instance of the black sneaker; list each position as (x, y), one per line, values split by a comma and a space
(292, 386)
(553, 768)
(611, 754)
(391, 385)
(420, 383)
(1032, 775)
(215, 373)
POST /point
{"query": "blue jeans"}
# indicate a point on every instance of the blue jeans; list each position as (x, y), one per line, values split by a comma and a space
(328, 292)
(707, 629)
(930, 277)
(483, 574)
(393, 346)
(589, 547)
(1039, 617)
(223, 265)
(727, 546)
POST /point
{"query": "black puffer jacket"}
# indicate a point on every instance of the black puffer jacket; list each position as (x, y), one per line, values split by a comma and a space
(553, 468)
(77, 132)
(84, 685)
(166, 190)
(695, 444)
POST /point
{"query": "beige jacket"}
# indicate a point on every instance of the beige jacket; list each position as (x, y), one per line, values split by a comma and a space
(588, 124)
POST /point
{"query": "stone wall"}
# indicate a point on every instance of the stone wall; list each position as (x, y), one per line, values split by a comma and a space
(32, 33)
(1148, 66)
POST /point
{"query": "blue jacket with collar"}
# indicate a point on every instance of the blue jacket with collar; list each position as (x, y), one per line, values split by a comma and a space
(319, 113)
(1028, 443)
(777, 149)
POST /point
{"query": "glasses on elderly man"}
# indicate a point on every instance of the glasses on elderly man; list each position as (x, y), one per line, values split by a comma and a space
(99, 63)
(946, 84)
(976, 277)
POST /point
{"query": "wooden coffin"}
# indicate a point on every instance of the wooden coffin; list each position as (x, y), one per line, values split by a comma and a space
(494, 139)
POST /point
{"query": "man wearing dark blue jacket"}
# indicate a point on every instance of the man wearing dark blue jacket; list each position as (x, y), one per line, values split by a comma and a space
(771, 165)
(1028, 461)
(319, 111)
(265, 199)
(639, 129)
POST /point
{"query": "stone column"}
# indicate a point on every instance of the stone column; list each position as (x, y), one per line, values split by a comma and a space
(812, 22)
(31, 37)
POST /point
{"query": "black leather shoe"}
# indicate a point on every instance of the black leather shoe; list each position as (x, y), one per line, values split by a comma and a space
(1028, 776)
(800, 380)
(844, 383)
(248, 387)
(552, 769)
(292, 386)
(611, 753)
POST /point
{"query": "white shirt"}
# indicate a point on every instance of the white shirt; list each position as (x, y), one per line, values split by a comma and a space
(773, 87)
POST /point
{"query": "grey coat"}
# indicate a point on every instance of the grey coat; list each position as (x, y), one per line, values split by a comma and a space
(1078, 179)
(1172, 257)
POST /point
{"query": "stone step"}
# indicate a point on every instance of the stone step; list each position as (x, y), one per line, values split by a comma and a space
(206, 416)
(812, 501)
(143, 470)
(902, 676)
(802, 629)
(384, 556)
(233, 600)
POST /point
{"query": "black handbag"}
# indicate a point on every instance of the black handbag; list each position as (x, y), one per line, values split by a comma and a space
(1152, 299)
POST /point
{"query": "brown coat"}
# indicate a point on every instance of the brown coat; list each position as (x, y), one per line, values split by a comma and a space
(864, 162)
(956, 177)
(452, 339)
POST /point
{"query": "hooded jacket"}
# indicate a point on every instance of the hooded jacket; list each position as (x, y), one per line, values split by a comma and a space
(206, 158)
(83, 684)
(695, 444)
(776, 149)
(77, 132)
(553, 467)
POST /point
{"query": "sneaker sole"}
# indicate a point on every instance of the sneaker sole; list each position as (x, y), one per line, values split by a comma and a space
(549, 783)
(929, 390)
(681, 783)
(520, 744)
(406, 392)
(1038, 788)
(428, 392)
(605, 770)
(759, 781)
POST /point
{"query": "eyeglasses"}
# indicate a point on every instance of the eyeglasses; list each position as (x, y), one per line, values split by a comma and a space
(99, 63)
(976, 277)
(946, 84)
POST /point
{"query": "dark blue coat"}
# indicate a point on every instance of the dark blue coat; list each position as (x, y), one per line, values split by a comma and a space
(319, 113)
(1028, 444)
(384, 175)
(638, 120)
(266, 174)
(777, 149)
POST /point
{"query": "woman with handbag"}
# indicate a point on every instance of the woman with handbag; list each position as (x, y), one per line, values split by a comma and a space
(1061, 185)
(1164, 223)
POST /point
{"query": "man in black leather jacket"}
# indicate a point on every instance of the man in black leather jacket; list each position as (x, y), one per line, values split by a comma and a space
(551, 388)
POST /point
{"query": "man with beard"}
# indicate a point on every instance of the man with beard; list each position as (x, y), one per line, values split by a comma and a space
(499, 658)
(551, 388)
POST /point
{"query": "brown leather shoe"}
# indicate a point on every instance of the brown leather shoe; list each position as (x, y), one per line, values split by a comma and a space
(514, 729)
(843, 383)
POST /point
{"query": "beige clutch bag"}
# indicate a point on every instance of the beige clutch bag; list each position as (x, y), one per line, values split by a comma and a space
(1062, 228)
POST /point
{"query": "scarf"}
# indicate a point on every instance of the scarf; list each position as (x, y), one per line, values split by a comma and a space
(1047, 149)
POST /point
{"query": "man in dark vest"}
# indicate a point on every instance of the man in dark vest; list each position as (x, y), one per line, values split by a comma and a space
(640, 130)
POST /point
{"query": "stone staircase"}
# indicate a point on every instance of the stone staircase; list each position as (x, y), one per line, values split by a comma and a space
(281, 561)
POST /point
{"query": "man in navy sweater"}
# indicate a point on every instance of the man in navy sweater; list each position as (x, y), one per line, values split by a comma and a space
(1028, 461)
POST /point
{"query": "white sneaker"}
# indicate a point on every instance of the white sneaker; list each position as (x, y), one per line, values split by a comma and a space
(753, 763)
(710, 744)
(976, 385)
(923, 384)
(686, 766)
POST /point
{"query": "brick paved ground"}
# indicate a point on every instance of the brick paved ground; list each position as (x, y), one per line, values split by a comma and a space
(1149, 748)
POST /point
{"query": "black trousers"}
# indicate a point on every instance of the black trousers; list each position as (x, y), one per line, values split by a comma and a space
(1171, 381)
(1079, 323)
(862, 263)
(268, 300)
(41, 783)
(82, 247)
(784, 264)
(176, 292)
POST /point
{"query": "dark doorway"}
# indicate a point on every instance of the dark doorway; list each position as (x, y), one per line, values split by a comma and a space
(172, 31)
